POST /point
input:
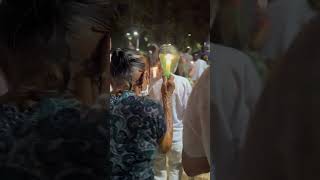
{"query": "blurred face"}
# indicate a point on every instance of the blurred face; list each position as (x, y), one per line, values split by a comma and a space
(143, 77)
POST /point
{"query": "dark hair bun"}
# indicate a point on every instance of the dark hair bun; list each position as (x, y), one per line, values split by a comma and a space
(125, 62)
(120, 62)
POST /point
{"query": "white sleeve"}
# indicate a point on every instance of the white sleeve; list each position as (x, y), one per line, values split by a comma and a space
(186, 94)
(196, 121)
(155, 91)
(253, 86)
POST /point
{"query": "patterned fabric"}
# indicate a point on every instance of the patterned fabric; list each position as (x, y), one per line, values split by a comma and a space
(137, 124)
(56, 138)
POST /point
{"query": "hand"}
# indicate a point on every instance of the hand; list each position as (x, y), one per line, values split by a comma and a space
(168, 87)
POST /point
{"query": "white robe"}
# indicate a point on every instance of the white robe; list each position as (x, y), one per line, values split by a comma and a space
(287, 18)
(199, 67)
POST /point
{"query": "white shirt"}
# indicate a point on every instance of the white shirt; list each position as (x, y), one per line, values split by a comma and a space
(196, 132)
(179, 102)
(199, 67)
(236, 87)
(287, 17)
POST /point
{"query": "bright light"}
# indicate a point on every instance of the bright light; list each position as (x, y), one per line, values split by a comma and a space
(135, 33)
(188, 47)
(189, 35)
(130, 38)
(138, 49)
(169, 57)
(154, 72)
(128, 34)
(150, 52)
(169, 44)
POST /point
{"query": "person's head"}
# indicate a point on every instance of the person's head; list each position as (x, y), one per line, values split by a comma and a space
(195, 56)
(154, 54)
(188, 50)
(129, 70)
(40, 39)
(205, 57)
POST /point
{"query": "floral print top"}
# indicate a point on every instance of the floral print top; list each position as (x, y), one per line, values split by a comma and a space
(57, 138)
(136, 125)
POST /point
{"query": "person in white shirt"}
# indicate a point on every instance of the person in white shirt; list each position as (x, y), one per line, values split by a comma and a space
(282, 142)
(235, 89)
(180, 98)
(199, 67)
(185, 65)
(287, 17)
(196, 133)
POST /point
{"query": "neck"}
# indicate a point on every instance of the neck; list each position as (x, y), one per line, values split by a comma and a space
(119, 88)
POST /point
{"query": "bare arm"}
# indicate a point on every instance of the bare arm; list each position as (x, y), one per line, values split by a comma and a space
(167, 90)
(195, 166)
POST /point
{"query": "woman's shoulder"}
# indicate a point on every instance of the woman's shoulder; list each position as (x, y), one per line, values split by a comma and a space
(139, 104)
(56, 112)
(61, 122)
(150, 101)
(132, 99)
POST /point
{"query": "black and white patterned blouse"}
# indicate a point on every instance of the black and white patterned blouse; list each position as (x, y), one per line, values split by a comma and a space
(56, 138)
(136, 125)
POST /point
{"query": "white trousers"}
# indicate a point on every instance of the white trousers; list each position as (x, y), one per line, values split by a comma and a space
(169, 166)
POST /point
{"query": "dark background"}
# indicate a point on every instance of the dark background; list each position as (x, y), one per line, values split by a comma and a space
(162, 21)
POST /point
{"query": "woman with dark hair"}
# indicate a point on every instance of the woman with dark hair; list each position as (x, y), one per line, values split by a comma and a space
(45, 132)
(139, 125)
(283, 136)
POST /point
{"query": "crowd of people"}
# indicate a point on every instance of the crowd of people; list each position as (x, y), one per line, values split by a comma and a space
(57, 119)
(263, 97)
(73, 107)
(149, 109)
